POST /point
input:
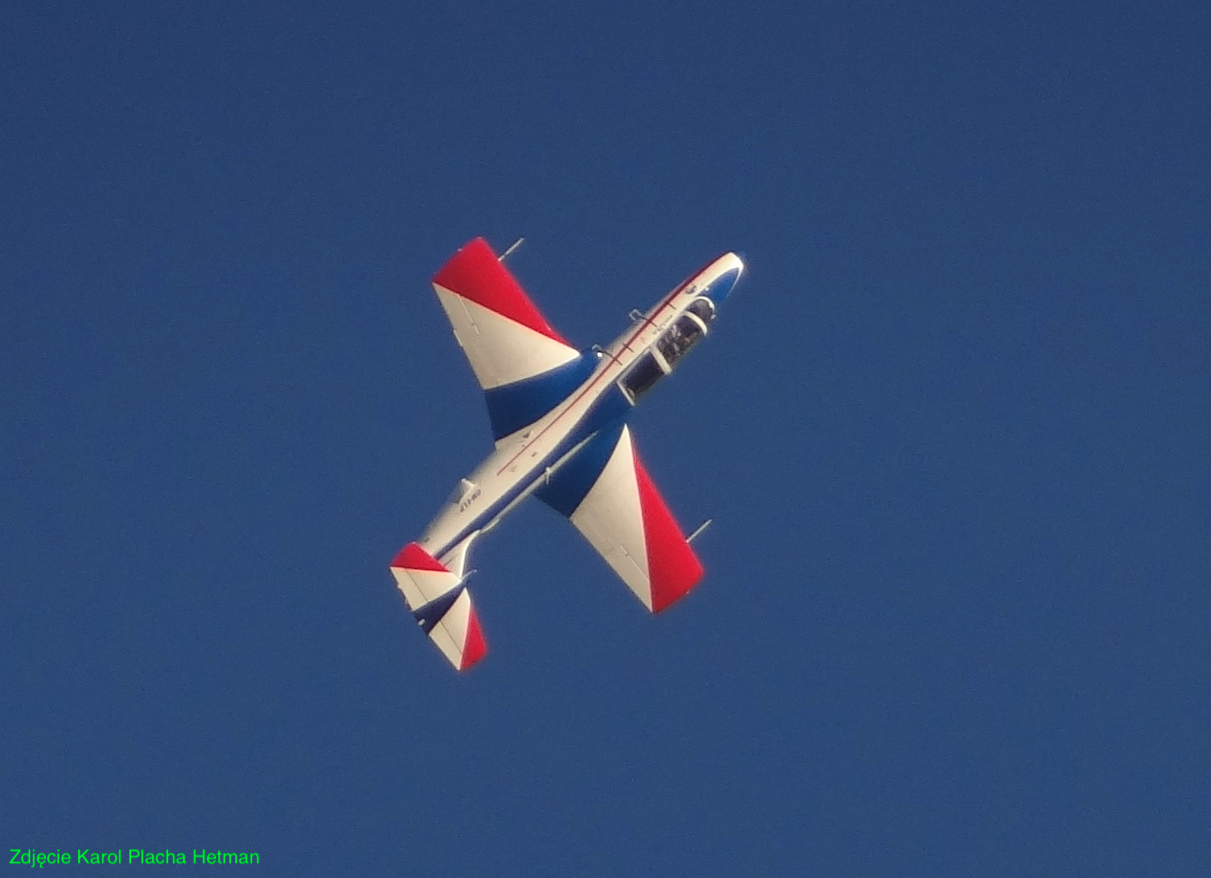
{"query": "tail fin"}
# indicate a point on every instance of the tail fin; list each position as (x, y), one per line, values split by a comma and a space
(441, 605)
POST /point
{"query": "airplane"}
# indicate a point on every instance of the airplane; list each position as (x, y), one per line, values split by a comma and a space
(559, 424)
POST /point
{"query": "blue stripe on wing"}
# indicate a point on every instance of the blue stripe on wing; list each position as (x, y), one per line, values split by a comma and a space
(604, 413)
(572, 481)
(517, 405)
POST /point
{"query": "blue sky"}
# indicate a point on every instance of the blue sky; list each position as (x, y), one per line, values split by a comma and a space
(952, 429)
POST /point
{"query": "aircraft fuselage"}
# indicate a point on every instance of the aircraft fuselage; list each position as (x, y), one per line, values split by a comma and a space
(625, 370)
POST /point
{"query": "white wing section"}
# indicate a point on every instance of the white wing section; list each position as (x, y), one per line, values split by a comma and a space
(608, 496)
(501, 351)
(504, 335)
(611, 519)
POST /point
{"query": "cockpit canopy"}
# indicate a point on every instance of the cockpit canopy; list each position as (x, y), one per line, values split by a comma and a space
(673, 344)
(685, 331)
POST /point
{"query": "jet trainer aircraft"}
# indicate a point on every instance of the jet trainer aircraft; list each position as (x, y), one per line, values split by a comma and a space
(559, 421)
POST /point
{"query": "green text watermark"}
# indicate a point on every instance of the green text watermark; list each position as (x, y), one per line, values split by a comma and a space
(36, 859)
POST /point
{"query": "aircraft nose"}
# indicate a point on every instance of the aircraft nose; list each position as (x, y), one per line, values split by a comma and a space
(723, 276)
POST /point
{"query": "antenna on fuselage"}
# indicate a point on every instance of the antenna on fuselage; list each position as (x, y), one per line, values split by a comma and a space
(516, 244)
(700, 529)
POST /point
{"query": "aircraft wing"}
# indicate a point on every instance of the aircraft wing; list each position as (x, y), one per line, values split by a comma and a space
(607, 494)
(523, 365)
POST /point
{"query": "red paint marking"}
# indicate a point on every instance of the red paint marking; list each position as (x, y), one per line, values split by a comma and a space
(474, 647)
(475, 273)
(673, 568)
(413, 557)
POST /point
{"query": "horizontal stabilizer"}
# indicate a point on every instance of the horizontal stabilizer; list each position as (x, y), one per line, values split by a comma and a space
(441, 605)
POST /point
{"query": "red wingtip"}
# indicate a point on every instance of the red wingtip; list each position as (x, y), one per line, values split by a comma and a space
(673, 568)
(475, 273)
(413, 557)
(475, 646)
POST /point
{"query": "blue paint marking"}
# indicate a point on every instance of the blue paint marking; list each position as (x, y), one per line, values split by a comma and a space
(610, 407)
(721, 286)
(570, 484)
(517, 405)
(431, 613)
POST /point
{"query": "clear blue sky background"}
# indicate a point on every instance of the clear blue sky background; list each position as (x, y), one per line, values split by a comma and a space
(953, 428)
